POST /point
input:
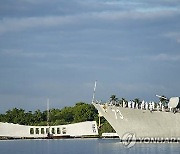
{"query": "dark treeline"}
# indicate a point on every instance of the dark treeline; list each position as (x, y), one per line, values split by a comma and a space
(67, 115)
(78, 113)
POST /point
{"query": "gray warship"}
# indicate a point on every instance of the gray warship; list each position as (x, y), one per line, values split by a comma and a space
(143, 120)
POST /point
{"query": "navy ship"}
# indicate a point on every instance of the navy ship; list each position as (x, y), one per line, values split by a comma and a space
(152, 120)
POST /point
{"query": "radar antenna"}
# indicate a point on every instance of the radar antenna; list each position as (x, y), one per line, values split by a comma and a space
(162, 97)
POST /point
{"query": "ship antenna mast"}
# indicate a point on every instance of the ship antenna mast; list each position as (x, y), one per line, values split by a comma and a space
(94, 91)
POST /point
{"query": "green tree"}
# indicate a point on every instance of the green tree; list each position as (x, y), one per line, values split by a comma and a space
(163, 100)
(121, 101)
(105, 127)
(113, 99)
(137, 100)
(84, 112)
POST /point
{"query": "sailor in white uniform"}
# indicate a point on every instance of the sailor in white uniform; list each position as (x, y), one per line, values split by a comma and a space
(133, 104)
(124, 103)
(142, 105)
(153, 105)
(146, 105)
(150, 107)
(137, 105)
(129, 104)
(160, 105)
(163, 109)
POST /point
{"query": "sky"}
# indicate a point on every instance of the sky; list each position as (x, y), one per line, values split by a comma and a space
(56, 49)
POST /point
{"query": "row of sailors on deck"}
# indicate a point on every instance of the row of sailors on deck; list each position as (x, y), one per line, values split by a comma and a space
(144, 105)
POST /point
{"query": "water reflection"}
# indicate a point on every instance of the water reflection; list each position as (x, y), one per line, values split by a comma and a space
(85, 146)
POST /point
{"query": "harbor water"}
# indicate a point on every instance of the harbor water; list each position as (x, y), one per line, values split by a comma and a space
(83, 146)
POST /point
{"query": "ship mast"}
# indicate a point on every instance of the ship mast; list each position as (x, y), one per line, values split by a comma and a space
(93, 98)
(48, 112)
(48, 129)
(94, 92)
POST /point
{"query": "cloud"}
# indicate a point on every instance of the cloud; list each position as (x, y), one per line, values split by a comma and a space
(173, 35)
(165, 57)
(20, 24)
(122, 58)
(134, 14)
(139, 87)
(42, 54)
(22, 53)
(54, 47)
(25, 23)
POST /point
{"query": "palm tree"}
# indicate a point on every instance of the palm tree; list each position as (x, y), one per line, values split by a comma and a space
(121, 101)
(137, 101)
(113, 99)
(163, 100)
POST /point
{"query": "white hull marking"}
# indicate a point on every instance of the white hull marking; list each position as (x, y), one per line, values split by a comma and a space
(116, 112)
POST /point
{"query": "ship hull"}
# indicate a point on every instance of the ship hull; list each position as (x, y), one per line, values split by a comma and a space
(142, 123)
